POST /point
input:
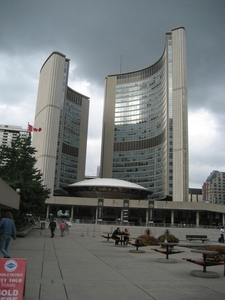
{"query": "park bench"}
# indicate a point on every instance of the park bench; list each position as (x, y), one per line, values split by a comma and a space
(193, 237)
(168, 251)
(207, 263)
(108, 236)
(138, 242)
(171, 251)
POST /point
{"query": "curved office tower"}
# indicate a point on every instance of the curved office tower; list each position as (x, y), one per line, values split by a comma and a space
(62, 114)
(145, 124)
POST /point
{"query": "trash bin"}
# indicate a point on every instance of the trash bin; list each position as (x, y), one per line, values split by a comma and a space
(42, 225)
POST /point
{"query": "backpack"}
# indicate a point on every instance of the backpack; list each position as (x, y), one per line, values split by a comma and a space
(63, 225)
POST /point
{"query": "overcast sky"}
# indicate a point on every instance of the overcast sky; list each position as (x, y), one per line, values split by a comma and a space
(94, 34)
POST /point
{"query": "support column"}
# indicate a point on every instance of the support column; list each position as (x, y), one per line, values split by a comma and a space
(172, 217)
(71, 213)
(96, 216)
(223, 219)
(47, 212)
(197, 218)
(121, 214)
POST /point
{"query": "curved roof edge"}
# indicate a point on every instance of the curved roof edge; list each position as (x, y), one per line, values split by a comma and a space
(142, 69)
(109, 182)
(78, 93)
(178, 27)
(139, 70)
(54, 52)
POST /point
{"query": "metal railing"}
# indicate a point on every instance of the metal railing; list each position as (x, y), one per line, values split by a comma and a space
(165, 225)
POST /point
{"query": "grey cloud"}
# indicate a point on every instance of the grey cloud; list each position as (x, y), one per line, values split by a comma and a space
(95, 33)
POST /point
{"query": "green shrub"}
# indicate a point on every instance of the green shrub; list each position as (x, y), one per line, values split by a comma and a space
(217, 257)
(148, 239)
(170, 238)
(220, 249)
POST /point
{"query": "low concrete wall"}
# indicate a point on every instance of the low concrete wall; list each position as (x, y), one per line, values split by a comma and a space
(8, 197)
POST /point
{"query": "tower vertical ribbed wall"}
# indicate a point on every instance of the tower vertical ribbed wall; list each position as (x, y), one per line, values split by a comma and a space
(144, 136)
(62, 114)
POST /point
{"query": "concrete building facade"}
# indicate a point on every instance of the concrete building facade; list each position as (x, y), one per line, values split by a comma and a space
(145, 124)
(62, 113)
(121, 202)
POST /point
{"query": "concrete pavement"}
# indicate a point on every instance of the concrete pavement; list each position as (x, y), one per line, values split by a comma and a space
(82, 265)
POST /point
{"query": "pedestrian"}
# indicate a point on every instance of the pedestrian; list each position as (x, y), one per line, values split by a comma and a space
(67, 228)
(222, 234)
(167, 232)
(52, 226)
(8, 230)
(62, 227)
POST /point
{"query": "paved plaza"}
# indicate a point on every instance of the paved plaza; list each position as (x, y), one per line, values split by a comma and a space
(82, 265)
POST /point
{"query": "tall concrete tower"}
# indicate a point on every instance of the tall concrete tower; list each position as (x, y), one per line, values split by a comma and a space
(62, 113)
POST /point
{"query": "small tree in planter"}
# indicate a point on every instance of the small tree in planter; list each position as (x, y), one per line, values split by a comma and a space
(147, 238)
(169, 237)
(220, 249)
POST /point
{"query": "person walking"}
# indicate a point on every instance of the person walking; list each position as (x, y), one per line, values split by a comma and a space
(62, 227)
(67, 228)
(222, 234)
(52, 226)
(8, 230)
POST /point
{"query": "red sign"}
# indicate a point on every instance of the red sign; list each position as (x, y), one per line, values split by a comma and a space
(12, 278)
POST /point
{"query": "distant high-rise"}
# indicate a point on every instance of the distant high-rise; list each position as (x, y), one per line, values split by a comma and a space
(62, 113)
(145, 124)
(8, 133)
(213, 190)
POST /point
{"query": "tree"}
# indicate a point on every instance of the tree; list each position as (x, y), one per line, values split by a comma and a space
(18, 170)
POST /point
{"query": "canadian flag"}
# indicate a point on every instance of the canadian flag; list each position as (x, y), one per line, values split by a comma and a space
(33, 129)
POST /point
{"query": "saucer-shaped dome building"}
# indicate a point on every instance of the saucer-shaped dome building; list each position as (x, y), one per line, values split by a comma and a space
(107, 188)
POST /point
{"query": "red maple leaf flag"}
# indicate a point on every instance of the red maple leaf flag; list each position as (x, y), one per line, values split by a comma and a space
(33, 129)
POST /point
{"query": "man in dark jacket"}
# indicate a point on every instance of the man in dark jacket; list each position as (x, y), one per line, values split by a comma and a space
(115, 237)
(52, 226)
(8, 230)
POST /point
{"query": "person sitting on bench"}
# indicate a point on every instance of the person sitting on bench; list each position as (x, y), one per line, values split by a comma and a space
(115, 237)
(126, 237)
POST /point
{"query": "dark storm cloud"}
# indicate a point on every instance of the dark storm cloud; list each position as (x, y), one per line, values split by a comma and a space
(95, 34)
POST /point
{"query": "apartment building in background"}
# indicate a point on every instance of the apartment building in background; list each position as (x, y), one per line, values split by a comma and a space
(213, 189)
(62, 114)
(8, 133)
(145, 124)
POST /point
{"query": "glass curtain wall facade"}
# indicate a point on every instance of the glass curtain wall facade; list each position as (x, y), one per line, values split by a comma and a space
(62, 113)
(140, 141)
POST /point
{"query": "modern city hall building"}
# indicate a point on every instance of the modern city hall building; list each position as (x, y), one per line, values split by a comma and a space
(145, 124)
(144, 158)
(62, 115)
